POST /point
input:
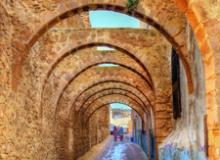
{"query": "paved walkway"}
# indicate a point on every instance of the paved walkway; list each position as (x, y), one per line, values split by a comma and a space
(110, 150)
(123, 151)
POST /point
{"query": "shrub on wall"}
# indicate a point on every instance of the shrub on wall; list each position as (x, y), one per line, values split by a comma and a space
(132, 4)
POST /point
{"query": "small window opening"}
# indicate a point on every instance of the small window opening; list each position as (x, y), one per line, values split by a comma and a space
(176, 85)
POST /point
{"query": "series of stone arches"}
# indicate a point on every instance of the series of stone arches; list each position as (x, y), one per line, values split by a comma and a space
(105, 85)
(170, 24)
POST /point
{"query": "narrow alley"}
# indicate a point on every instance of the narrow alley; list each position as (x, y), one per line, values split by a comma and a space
(110, 150)
(143, 72)
(124, 151)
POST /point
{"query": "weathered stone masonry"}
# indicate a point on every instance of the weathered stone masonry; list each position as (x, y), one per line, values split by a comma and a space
(35, 77)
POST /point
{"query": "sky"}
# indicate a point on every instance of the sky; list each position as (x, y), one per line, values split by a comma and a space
(120, 106)
(108, 65)
(110, 19)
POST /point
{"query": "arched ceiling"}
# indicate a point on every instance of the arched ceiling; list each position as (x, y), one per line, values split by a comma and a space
(173, 28)
(145, 46)
(93, 90)
(113, 98)
(96, 75)
(104, 93)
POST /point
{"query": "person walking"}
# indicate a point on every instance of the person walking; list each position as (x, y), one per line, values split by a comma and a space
(115, 133)
(121, 133)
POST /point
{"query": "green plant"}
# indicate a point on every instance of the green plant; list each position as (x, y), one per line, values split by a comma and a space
(132, 4)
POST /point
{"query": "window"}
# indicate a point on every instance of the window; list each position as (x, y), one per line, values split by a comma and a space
(176, 85)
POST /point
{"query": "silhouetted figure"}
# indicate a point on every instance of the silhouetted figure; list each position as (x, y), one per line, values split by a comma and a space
(115, 133)
(121, 133)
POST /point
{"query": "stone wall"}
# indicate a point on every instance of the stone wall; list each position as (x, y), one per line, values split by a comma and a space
(90, 134)
(187, 141)
(25, 26)
(20, 123)
(99, 126)
(27, 108)
(77, 138)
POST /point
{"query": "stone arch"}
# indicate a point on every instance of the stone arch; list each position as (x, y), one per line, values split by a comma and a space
(146, 105)
(62, 124)
(95, 65)
(115, 91)
(96, 79)
(105, 85)
(80, 49)
(135, 105)
(60, 94)
(110, 58)
(91, 97)
(206, 26)
(142, 39)
(110, 74)
(174, 33)
(90, 77)
(113, 98)
(128, 44)
(144, 12)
